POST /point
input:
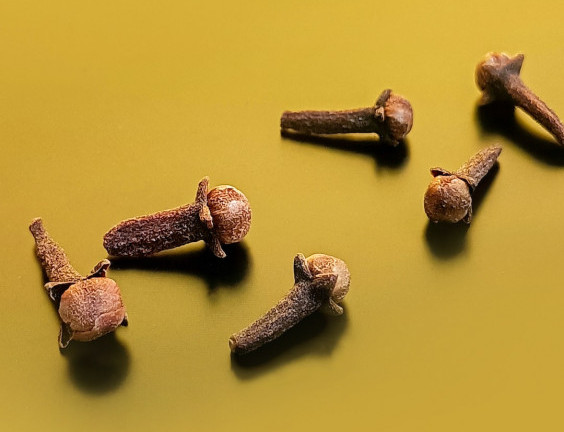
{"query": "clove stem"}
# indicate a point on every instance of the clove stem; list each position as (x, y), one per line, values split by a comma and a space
(53, 258)
(361, 120)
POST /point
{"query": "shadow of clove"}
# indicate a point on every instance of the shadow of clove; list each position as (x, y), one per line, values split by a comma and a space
(446, 241)
(385, 156)
(317, 335)
(499, 118)
(99, 366)
(228, 271)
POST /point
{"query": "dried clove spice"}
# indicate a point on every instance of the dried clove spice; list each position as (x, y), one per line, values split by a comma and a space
(321, 281)
(391, 118)
(222, 215)
(498, 77)
(89, 307)
(449, 195)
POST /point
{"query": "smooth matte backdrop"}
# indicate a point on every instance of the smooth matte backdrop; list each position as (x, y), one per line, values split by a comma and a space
(110, 110)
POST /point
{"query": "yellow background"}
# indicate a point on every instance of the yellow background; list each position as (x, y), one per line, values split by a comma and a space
(109, 110)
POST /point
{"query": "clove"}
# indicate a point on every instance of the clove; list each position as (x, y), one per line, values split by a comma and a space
(449, 195)
(222, 215)
(89, 307)
(391, 118)
(498, 77)
(321, 281)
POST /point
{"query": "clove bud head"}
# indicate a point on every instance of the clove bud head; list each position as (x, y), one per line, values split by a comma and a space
(326, 264)
(230, 212)
(91, 308)
(493, 72)
(447, 199)
(398, 117)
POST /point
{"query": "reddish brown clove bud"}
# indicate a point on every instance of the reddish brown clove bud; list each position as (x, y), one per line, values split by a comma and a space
(89, 307)
(449, 195)
(321, 281)
(498, 78)
(391, 118)
(221, 216)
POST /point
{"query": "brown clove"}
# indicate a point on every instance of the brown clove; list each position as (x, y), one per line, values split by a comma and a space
(89, 307)
(321, 281)
(449, 195)
(498, 77)
(391, 118)
(222, 215)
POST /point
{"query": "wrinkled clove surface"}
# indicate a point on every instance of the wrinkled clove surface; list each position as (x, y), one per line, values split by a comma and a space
(321, 281)
(449, 195)
(498, 77)
(222, 215)
(89, 307)
(391, 118)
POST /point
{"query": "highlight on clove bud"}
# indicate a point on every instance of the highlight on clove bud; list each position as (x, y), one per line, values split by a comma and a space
(449, 195)
(222, 215)
(391, 118)
(89, 307)
(320, 281)
(498, 78)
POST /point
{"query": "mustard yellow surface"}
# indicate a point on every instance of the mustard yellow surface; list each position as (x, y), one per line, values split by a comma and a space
(110, 110)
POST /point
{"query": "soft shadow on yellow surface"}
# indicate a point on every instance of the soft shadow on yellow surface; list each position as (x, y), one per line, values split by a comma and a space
(446, 241)
(500, 119)
(230, 271)
(316, 335)
(99, 366)
(385, 156)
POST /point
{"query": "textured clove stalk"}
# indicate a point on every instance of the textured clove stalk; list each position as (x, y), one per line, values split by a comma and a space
(321, 281)
(221, 216)
(391, 118)
(449, 195)
(498, 78)
(89, 307)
